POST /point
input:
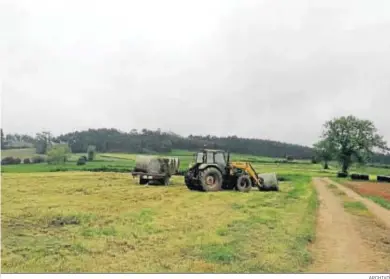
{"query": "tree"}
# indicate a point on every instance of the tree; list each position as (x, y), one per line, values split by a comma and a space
(352, 139)
(2, 139)
(91, 151)
(58, 154)
(324, 152)
(43, 142)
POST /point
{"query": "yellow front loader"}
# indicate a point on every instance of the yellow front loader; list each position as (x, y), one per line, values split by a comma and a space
(213, 171)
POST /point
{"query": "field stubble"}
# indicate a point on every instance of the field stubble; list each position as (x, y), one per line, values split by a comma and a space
(105, 222)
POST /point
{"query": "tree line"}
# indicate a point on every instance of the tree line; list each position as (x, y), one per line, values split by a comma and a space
(157, 141)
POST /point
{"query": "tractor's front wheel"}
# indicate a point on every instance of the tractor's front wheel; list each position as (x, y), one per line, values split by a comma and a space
(244, 183)
(211, 180)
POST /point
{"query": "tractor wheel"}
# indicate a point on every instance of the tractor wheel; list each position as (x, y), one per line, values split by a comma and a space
(211, 180)
(143, 181)
(244, 183)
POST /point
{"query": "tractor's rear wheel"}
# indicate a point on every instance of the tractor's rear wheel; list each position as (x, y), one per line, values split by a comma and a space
(244, 183)
(211, 180)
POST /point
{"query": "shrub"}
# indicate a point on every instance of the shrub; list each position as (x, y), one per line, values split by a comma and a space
(37, 159)
(82, 161)
(10, 161)
(58, 154)
(26, 161)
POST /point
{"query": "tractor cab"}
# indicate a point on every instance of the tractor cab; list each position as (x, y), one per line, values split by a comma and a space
(211, 156)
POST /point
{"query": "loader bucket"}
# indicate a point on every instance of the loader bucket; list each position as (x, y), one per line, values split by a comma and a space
(270, 182)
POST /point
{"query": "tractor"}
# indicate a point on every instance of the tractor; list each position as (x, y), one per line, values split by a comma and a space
(212, 171)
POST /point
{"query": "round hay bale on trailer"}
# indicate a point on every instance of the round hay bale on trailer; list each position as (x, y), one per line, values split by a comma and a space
(154, 170)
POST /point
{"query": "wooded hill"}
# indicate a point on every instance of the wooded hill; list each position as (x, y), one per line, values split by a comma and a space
(148, 141)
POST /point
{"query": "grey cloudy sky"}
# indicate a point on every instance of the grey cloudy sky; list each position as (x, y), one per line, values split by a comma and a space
(266, 69)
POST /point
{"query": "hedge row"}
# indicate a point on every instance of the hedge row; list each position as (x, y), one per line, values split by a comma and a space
(16, 161)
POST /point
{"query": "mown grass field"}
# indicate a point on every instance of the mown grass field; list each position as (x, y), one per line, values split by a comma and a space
(106, 222)
(70, 218)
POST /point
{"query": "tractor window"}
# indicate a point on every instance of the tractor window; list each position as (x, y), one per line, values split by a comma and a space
(199, 158)
(220, 159)
(210, 158)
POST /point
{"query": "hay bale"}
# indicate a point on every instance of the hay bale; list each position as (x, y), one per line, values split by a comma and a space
(269, 180)
(383, 178)
(357, 176)
(156, 165)
(365, 177)
(342, 174)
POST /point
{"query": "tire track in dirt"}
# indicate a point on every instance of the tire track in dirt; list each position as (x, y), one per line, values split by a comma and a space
(338, 247)
(381, 213)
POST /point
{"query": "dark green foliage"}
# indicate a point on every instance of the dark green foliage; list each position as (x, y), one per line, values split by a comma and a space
(351, 139)
(58, 154)
(26, 161)
(10, 161)
(147, 141)
(82, 161)
(37, 159)
(43, 142)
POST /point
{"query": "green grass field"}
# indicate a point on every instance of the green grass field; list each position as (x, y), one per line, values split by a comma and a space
(70, 218)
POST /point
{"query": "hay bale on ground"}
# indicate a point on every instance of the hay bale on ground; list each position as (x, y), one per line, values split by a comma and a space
(383, 178)
(357, 176)
(342, 174)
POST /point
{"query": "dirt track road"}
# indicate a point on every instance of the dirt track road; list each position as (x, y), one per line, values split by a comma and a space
(340, 246)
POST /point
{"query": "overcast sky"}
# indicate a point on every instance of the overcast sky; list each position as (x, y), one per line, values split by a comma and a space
(267, 69)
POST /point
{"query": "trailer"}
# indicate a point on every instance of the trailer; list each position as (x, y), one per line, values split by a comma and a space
(155, 170)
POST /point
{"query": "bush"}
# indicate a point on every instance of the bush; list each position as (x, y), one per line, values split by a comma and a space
(26, 161)
(81, 161)
(58, 154)
(37, 159)
(10, 161)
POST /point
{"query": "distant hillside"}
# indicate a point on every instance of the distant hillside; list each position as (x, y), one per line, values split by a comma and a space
(147, 141)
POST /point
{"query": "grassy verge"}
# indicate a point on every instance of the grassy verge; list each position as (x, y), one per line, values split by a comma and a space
(105, 222)
(379, 200)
